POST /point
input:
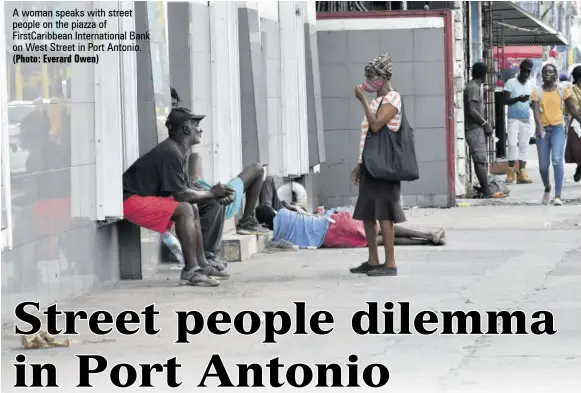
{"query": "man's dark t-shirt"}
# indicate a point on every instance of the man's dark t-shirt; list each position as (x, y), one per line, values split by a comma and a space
(472, 93)
(161, 172)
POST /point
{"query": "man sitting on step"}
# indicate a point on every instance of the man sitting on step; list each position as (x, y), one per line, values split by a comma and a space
(213, 213)
(156, 195)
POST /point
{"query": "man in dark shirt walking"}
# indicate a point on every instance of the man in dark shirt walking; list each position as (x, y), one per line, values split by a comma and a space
(156, 194)
(477, 128)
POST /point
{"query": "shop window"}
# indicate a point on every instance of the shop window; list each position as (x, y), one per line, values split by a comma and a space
(116, 130)
(83, 114)
(5, 205)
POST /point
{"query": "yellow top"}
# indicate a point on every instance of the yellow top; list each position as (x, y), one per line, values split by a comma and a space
(551, 106)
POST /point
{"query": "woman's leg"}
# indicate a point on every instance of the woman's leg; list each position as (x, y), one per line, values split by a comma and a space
(544, 154)
(388, 268)
(388, 235)
(573, 151)
(373, 258)
(371, 236)
(557, 156)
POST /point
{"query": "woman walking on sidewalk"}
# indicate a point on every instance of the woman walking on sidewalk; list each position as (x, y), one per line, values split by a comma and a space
(378, 200)
(549, 102)
(573, 149)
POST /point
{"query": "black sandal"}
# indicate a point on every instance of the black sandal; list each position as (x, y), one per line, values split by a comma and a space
(382, 270)
(363, 268)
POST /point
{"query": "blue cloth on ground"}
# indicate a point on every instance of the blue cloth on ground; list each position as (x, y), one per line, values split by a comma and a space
(299, 229)
(238, 185)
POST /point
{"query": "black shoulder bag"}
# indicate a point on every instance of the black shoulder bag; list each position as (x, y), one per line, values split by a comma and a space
(391, 156)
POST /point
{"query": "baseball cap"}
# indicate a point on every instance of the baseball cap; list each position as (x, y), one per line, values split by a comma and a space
(179, 116)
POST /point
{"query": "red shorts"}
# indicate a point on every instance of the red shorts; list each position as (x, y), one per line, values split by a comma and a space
(150, 212)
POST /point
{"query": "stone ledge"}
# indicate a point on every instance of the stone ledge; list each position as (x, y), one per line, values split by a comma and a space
(238, 248)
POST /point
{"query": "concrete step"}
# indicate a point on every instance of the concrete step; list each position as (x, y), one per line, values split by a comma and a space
(238, 248)
(229, 226)
(235, 248)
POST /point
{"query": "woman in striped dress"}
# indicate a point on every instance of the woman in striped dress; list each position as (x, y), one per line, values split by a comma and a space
(378, 200)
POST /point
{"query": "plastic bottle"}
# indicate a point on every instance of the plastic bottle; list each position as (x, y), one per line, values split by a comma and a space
(174, 246)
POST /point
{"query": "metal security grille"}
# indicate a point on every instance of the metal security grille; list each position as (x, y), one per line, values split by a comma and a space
(341, 6)
(364, 6)
(467, 62)
(489, 85)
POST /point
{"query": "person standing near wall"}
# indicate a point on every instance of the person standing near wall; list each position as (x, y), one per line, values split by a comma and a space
(477, 128)
(378, 200)
(517, 93)
(549, 101)
(573, 149)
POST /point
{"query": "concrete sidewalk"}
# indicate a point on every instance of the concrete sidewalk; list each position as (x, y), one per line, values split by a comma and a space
(502, 257)
(531, 194)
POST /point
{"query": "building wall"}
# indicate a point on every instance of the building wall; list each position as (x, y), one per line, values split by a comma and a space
(252, 88)
(417, 47)
(250, 94)
(73, 129)
(57, 248)
(64, 200)
(270, 36)
(140, 247)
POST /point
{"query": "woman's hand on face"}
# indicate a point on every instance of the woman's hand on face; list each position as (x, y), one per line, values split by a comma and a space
(360, 94)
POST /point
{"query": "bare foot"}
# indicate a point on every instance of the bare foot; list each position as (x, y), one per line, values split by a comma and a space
(439, 237)
(443, 240)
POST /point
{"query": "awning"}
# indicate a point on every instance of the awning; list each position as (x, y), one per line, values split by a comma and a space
(520, 52)
(515, 26)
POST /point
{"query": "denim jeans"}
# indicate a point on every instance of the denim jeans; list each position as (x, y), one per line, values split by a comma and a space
(551, 149)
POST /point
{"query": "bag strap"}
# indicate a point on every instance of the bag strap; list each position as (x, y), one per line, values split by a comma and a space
(561, 91)
(376, 112)
(402, 113)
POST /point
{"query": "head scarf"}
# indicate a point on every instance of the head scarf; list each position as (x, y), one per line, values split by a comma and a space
(380, 66)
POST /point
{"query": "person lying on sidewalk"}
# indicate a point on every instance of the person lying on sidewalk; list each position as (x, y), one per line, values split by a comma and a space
(337, 231)
(213, 213)
(156, 195)
(269, 196)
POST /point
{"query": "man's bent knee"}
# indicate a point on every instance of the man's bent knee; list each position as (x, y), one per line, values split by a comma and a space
(257, 167)
(184, 209)
(196, 210)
